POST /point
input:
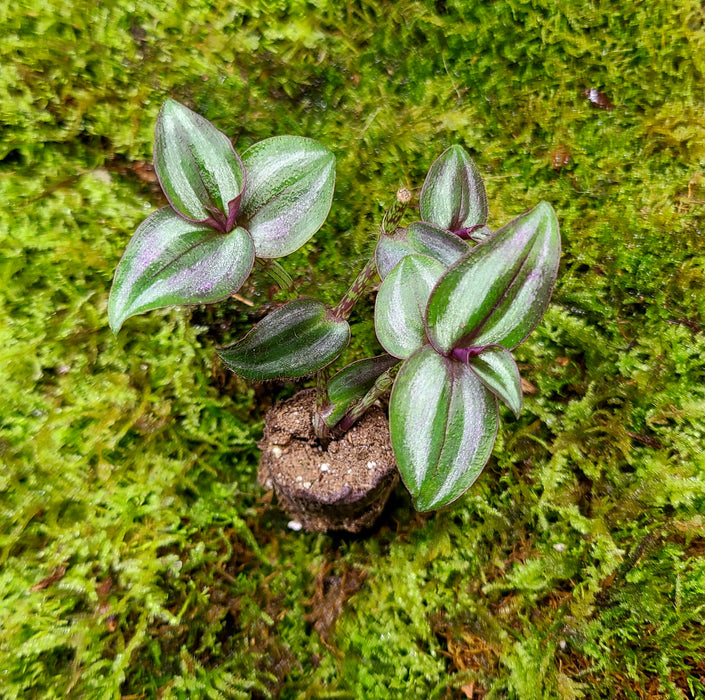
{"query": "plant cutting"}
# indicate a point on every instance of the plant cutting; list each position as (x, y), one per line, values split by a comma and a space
(454, 299)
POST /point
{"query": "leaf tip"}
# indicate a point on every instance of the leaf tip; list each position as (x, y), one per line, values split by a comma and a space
(544, 210)
(170, 105)
(516, 410)
(115, 321)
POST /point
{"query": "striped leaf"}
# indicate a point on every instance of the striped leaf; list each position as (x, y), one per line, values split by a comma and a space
(401, 304)
(172, 261)
(290, 182)
(199, 171)
(296, 339)
(421, 238)
(352, 383)
(453, 194)
(443, 422)
(497, 370)
(497, 293)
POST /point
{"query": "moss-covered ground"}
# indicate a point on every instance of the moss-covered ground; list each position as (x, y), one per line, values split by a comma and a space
(138, 557)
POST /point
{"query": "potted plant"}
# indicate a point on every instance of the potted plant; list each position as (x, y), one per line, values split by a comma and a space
(455, 298)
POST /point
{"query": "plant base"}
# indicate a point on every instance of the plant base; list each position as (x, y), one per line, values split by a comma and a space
(343, 487)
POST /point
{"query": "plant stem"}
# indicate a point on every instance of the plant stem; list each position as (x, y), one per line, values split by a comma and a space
(383, 384)
(392, 216)
(356, 290)
(390, 221)
(277, 273)
(320, 428)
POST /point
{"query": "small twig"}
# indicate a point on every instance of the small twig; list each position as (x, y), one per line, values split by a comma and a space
(55, 576)
(242, 299)
(604, 596)
(452, 82)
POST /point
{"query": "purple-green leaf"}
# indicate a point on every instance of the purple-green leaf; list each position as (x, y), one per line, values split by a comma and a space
(498, 292)
(172, 261)
(453, 194)
(352, 383)
(290, 182)
(443, 423)
(495, 367)
(401, 304)
(201, 174)
(422, 238)
(294, 340)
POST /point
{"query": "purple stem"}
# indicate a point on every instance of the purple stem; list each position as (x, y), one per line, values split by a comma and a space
(392, 216)
(464, 354)
(320, 428)
(390, 221)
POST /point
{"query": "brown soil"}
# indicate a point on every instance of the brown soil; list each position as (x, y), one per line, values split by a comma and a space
(343, 487)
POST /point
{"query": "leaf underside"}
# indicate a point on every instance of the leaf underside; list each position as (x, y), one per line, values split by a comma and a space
(296, 339)
(443, 423)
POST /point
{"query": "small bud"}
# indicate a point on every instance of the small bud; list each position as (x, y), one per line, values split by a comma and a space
(392, 216)
(403, 195)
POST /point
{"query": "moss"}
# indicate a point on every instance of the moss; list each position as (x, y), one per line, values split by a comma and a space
(138, 556)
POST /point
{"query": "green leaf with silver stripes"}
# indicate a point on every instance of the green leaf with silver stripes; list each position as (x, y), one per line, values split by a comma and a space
(400, 306)
(294, 340)
(443, 421)
(198, 168)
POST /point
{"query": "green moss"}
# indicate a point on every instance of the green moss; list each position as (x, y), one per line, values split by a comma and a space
(136, 556)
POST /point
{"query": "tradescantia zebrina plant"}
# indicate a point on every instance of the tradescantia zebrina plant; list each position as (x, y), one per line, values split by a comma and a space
(455, 296)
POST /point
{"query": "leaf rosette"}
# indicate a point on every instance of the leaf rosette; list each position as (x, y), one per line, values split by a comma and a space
(266, 204)
(444, 404)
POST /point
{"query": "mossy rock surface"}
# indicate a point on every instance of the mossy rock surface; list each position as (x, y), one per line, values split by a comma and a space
(137, 557)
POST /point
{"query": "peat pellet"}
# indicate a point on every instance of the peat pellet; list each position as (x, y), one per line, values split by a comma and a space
(342, 486)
